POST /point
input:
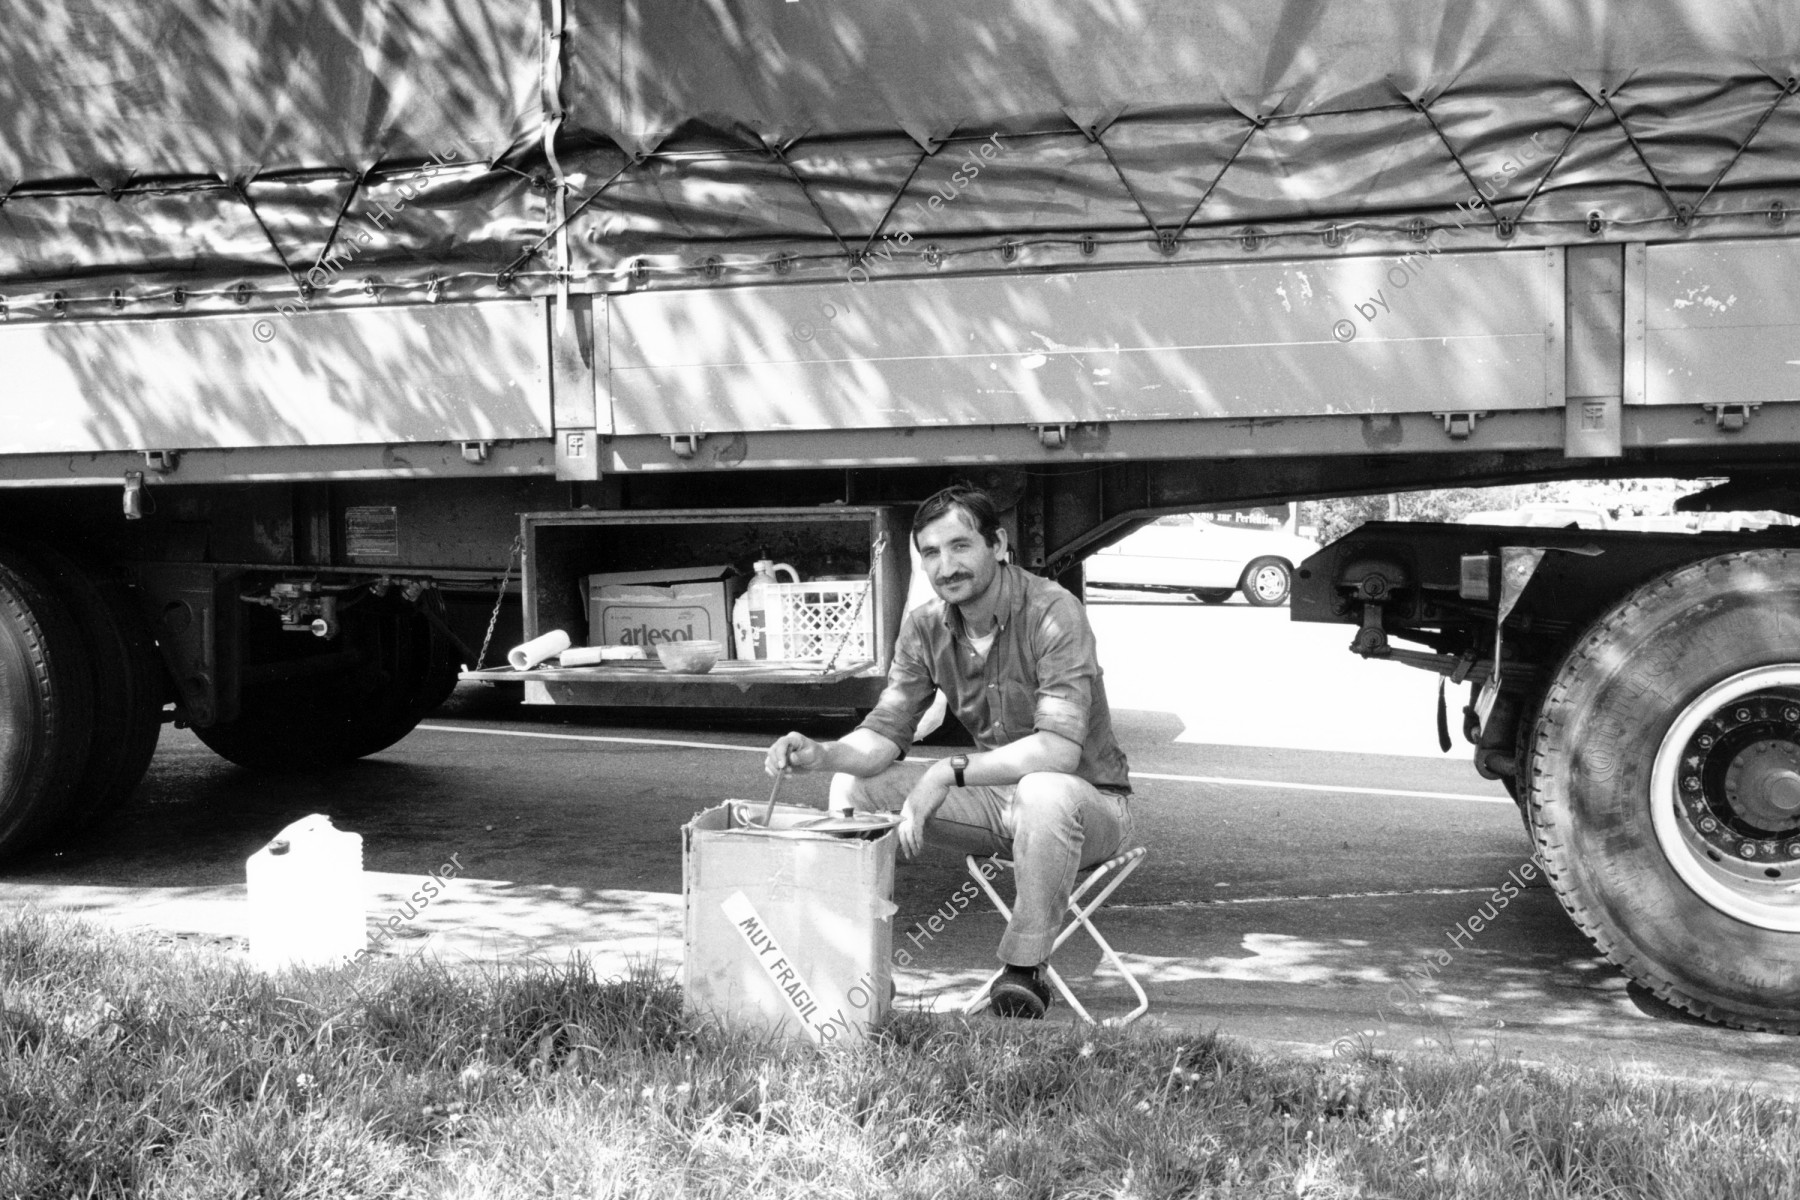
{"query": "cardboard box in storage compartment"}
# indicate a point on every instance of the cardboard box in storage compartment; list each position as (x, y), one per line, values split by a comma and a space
(789, 932)
(648, 608)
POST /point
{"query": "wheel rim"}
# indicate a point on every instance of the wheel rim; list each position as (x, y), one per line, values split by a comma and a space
(1725, 797)
(1270, 582)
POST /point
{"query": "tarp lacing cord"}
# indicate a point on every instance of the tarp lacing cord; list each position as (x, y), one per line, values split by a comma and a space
(1682, 218)
(575, 212)
(1787, 88)
(807, 192)
(1674, 208)
(898, 196)
(1098, 138)
(1593, 107)
(1424, 110)
(1207, 194)
(241, 190)
(356, 182)
(1155, 231)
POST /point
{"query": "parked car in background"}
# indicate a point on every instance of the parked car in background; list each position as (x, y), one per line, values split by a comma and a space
(1203, 558)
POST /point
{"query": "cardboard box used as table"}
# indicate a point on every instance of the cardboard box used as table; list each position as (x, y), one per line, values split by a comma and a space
(787, 932)
(648, 608)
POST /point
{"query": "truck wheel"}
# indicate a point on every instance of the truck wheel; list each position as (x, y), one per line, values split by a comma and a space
(127, 680)
(1267, 582)
(1665, 787)
(320, 721)
(46, 705)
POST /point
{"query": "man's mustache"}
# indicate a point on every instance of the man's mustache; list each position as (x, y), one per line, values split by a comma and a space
(947, 580)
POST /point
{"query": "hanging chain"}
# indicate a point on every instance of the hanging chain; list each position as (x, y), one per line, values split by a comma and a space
(850, 625)
(518, 548)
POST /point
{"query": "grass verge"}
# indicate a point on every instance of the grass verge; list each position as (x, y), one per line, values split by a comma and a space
(128, 1068)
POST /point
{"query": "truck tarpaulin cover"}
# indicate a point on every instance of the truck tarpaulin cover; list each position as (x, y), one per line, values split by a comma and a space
(206, 143)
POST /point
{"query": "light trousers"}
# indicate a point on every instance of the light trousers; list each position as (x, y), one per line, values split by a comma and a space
(1051, 825)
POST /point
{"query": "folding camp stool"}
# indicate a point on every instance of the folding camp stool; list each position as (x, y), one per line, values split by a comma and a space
(1115, 870)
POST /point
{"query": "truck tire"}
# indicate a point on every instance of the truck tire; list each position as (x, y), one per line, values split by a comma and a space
(1267, 582)
(127, 680)
(46, 705)
(321, 721)
(1665, 787)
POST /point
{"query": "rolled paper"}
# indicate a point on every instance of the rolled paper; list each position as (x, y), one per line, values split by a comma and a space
(525, 657)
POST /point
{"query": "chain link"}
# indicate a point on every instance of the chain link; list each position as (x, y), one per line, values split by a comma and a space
(518, 548)
(850, 625)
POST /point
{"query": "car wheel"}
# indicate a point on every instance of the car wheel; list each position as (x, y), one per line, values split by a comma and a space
(1267, 582)
(1213, 595)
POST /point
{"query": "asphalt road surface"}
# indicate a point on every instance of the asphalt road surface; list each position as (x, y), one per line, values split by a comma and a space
(1307, 842)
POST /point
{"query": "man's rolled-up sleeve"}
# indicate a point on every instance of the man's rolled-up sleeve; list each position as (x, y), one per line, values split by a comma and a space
(1068, 662)
(909, 689)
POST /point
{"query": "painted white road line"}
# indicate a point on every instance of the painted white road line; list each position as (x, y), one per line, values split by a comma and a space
(1220, 780)
(588, 737)
(1322, 787)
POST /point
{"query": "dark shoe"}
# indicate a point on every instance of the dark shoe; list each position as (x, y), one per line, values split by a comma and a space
(1020, 994)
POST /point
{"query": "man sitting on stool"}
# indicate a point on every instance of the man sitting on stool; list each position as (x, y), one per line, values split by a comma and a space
(1014, 654)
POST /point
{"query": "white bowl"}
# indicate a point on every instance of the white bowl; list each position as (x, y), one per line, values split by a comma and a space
(690, 658)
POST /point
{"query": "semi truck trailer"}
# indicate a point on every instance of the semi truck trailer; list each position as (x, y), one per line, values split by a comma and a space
(342, 341)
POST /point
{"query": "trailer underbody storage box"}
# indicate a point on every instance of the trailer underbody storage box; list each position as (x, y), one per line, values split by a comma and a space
(843, 615)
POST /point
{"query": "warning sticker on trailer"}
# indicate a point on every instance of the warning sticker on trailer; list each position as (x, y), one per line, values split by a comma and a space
(371, 530)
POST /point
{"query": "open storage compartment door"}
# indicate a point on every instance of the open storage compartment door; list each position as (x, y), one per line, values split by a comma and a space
(838, 552)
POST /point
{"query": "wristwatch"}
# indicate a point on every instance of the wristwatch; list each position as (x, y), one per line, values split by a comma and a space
(958, 764)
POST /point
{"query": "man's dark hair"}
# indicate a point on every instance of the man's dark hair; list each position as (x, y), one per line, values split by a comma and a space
(976, 504)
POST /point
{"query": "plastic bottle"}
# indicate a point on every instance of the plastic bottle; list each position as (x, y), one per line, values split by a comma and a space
(742, 639)
(759, 600)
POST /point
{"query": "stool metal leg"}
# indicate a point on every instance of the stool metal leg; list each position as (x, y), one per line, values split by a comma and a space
(980, 998)
(1126, 863)
(1119, 869)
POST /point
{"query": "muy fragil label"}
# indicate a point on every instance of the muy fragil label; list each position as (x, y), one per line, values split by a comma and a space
(779, 967)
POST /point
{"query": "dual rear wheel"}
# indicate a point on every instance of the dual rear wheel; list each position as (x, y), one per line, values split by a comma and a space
(81, 694)
(82, 688)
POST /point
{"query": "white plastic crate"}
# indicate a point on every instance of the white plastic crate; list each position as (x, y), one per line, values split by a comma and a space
(807, 619)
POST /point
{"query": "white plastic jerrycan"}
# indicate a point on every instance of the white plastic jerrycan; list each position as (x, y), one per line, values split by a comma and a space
(307, 904)
(765, 632)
